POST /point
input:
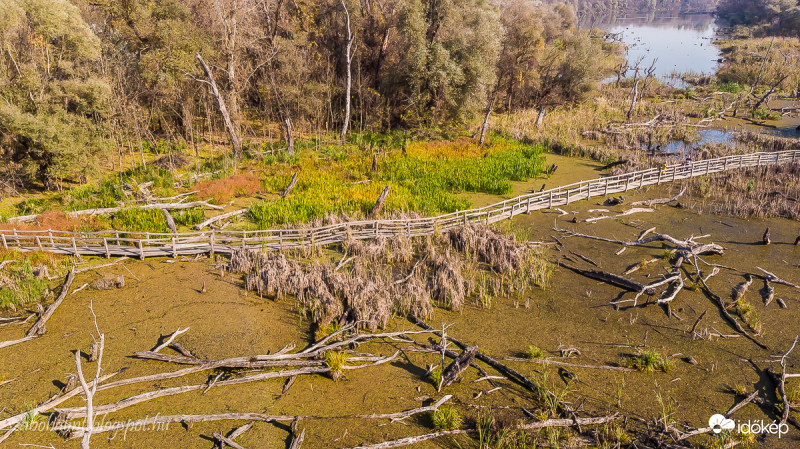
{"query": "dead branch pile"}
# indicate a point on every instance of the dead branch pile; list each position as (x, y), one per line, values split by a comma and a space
(171, 161)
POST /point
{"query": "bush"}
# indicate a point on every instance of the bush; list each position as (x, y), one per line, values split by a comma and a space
(650, 361)
(446, 418)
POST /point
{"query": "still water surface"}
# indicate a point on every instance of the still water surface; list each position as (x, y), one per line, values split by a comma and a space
(677, 43)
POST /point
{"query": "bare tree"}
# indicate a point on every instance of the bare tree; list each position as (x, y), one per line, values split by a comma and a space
(88, 390)
(348, 75)
(223, 110)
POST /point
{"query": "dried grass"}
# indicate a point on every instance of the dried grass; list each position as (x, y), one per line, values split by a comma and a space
(224, 189)
(386, 277)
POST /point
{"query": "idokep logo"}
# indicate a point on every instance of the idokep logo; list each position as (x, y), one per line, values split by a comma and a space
(718, 423)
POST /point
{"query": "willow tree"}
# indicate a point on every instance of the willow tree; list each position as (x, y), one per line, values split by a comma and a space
(55, 98)
(443, 61)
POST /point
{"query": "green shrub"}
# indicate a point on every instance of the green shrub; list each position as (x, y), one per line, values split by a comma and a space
(446, 418)
(730, 87)
(189, 217)
(650, 361)
(135, 219)
(533, 352)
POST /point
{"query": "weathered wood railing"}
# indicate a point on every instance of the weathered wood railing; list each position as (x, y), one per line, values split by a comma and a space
(143, 244)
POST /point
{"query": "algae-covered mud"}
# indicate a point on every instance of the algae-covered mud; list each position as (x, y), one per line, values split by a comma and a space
(651, 374)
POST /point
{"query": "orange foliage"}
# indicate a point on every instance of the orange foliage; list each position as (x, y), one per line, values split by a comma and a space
(56, 220)
(224, 189)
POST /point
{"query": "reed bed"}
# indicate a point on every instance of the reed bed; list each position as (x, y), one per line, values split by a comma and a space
(763, 192)
(377, 279)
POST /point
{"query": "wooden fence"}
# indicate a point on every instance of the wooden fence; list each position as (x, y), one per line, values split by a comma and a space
(146, 244)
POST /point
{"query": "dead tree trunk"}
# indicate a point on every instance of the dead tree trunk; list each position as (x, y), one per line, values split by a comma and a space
(287, 126)
(290, 186)
(634, 97)
(540, 117)
(348, 75)
(223, 110)
(170, 221)
(379, 204)
(485, 126)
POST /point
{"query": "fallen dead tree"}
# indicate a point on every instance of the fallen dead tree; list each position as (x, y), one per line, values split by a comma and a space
(689, 245)
(220, 217)
(78, 412)
(649, 203)
(613, 279)
(569, 422)
(111, 210)
(253, 417)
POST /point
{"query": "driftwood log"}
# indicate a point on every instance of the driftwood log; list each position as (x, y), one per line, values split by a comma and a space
(458, 366)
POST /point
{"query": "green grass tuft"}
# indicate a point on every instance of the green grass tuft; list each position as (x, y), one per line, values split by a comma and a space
(446, 418)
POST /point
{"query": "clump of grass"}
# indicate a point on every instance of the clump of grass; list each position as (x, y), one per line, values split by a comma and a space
(435, 376)
(446, 418)
(23, 282)
(447, 281)
(136, 219)
(748, 314)
(650, 361)
(189, 217)
(336, 361)
(533, 352)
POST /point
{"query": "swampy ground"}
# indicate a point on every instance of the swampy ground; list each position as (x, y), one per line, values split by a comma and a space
(163, 295)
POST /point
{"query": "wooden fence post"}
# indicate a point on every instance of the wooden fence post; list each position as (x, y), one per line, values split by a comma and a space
(606, 191)
(75, 247)
(50, 234)
(708, 165)
(5, 244)
(141, 249)
(105, 245)
(213, 235)
(567, 197)
(174, 247)
(39, 243)
(116, 234)
(550, 204)
(726, 164)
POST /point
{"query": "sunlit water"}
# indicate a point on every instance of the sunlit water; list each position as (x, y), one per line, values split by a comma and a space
(677, 43)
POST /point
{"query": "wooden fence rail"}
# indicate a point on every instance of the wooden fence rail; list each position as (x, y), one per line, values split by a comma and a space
(148, 244)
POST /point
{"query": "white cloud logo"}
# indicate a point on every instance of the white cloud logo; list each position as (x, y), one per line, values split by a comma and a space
(718, 423)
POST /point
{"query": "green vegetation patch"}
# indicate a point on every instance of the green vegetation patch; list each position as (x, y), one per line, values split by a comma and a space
(339, 180)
